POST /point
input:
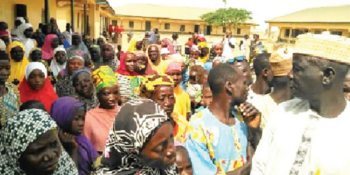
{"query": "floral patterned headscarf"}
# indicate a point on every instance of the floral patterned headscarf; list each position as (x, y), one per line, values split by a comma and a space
(23, 129)
(103, 77)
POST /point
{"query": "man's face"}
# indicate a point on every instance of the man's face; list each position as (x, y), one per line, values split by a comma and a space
(347, 87)
(228, 34)
(28, 33)
(306, 79)
(240, 89)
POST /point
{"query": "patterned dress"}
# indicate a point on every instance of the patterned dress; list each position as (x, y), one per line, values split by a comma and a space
(213, 147)
(9, 102)
(64, 87)
(129, 86)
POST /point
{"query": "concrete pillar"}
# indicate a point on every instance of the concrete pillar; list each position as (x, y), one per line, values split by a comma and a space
(269, 32)
(47, 12)
(85, 20)
(94, 19)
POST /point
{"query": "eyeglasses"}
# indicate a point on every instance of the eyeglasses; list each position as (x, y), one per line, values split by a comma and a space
(232, 60)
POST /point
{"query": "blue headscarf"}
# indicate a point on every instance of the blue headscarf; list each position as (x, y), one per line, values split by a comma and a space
(65, 43)
(75, 73)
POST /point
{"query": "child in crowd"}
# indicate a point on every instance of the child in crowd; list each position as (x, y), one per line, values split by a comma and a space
(183, 163)
(207, 97)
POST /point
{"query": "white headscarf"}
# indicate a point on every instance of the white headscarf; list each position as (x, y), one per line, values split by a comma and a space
(35, 65)
(2, 45)
(27, 42)
(55, 67)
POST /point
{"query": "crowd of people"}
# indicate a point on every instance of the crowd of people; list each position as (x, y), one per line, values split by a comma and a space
(73, 105)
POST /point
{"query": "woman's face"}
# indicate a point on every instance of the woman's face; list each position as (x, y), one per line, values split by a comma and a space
(78, 121)
(76, 40)
(95, 55)
(159, 152)
(141, 64)
(195, 55)
(42, 155)
(5, 70)
(164, 96)
(36, 79)
(130, 62)
(75, 64)
(28, 33)
(36, 55)
(153, 53)
(100, 42)
(109, 97)
(177, 76)
(183, 163)
(17, 53)
(55, 43)
(83, 84)
(107, 52)
(61, 39)
(61, 57)
(88, 42)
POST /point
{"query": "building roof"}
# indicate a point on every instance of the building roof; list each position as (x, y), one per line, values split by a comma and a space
(333, 14)
(167, 12)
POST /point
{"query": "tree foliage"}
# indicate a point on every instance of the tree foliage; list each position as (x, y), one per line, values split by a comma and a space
(227, 17)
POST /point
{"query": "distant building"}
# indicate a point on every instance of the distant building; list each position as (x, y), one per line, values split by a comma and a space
(97, 13)
(334, 19)
(169, 19)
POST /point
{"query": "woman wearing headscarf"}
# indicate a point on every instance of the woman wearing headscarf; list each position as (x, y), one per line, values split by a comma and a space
(25, 32)
(69, 114)
(95, 52)
(143, 67)
(132, 45)
(18, 62)
(51, 42)
(128, 78)
(37, 86)
(183, 102)
(101, 41)
(160, 89)
(5, 36)
(78, 45)
(99, 120)
(204, 52)
(9, 95)
(63, 41)
(166, 42)
(59, 62)
(84, 88)
(26, 140)
(64, 86)
(35, 55)
(108, 56)
(133, 144)
(154, 59)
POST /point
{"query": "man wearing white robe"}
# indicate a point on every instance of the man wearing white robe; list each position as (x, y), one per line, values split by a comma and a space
(309, 134)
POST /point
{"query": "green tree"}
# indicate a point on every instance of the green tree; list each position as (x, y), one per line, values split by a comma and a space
(227, 17)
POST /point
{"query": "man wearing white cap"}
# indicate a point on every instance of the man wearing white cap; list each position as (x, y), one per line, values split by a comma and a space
(308, 135)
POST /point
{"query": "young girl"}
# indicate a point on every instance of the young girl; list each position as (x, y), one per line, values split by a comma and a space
(69, 115)
(183, 163)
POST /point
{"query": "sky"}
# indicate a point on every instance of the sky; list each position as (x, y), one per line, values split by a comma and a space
(262, 10)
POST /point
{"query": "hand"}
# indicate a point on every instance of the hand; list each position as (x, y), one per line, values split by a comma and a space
(67, 139)
(251, 116)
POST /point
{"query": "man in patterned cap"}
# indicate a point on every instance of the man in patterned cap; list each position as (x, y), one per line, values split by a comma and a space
(306, 135)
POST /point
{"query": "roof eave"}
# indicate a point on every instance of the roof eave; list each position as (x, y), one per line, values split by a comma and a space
(308, 22)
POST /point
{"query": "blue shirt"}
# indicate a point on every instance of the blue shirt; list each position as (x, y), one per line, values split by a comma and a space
(211, 144)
